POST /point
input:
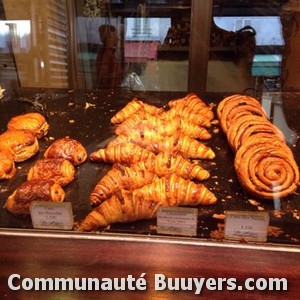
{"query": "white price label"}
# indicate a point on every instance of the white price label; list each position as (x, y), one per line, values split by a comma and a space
(51, 215)
(246, 225)
(177, 221)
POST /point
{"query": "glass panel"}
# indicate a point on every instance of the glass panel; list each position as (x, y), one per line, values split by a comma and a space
(134, 46)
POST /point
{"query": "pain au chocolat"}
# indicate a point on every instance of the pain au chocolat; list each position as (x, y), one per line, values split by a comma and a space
(35, 190)
(22, 143)
(67, 148)
(34, 122)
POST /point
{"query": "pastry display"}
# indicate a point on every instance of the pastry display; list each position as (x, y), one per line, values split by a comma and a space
(36, 190)
(142, 203)
(7, 164)
(34, 122)
(264, 164)
(67, 148)
(58, 169)
(22, 143)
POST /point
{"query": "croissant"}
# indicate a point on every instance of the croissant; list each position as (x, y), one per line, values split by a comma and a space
(36, 190)
(126, 153)
(165, 163)
(143, 203)
(189, 147)
(34, 122)
(67, 148)
(7, 164)
(58, 169)
(22, 143)
(119, 177)
(165, 128)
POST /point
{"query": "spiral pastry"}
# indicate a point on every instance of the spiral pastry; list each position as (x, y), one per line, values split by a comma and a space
(264, 164)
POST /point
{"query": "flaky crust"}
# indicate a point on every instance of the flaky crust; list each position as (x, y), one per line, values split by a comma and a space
(67, 148)
(34, 122)
(22, 143)
(7, 164)
(36, 190)
(58, 169)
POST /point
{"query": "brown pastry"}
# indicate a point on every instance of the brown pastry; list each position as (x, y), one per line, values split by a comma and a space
(143, 203)
(119, 177)
(7, 164)
(22, 143)
(58, 169)
(67, 148)
(36, 190)
(34, 122)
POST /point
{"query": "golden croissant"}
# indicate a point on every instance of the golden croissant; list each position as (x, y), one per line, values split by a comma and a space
(190, 148)
(36, 190)
(67, 148)
(142, 203)
(119, 177)
(22, 143)
(7, 164)
(165, 163)
(34, 122)
(58, 169)
(127, 153)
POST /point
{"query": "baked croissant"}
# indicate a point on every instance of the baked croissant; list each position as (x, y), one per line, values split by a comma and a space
(126, 153)
(119, 177)
(143, 203)
(36, 190)
(7, 164)
(165, 163)
(22, 143)
(164, 127)
(190, 148)
(67, 148)
(34, 122)
(58, 169)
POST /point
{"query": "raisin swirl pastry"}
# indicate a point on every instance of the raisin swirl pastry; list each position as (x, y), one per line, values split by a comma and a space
(264, 164)
(33, 122)
(36, 190)
(22, 143)
(67, 148)
(58, 169)
(7, 164)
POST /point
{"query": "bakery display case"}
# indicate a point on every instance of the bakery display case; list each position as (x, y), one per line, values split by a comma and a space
(198, 109)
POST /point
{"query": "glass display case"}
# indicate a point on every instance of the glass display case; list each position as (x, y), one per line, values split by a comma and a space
(79, 64)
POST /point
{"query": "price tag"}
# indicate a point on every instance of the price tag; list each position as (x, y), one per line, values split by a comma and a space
(247, 226)
(51, 215)
(177, 221)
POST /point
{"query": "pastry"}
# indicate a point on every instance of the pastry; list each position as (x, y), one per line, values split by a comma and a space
(142, 203)
(22, 143)
(67, 148)
(58, 169)
(35, 122)
(36, 190)
(7, 164)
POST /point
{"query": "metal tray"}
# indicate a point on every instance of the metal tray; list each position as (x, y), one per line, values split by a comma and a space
(86, 116)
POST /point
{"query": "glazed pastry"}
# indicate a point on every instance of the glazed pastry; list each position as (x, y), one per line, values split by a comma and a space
(7, 164)
(188, 147)
(143, 203)
(126, 153)
(119, 177)
(36, 190)
(22, 143)
(67, 148)
(264, 164)
(166, 163)
(34, 122)
(58, 169)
